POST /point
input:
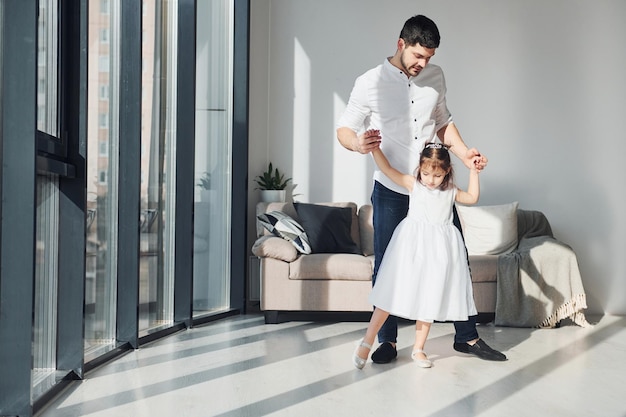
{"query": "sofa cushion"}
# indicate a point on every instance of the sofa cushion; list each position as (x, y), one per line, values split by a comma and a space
(274, 247)
(328, 228)
(484, 268)
(489, 230)
(284, 226)
(336, 266)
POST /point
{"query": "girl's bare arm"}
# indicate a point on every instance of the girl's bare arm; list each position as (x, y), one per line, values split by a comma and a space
(472, 194)
(405, 180)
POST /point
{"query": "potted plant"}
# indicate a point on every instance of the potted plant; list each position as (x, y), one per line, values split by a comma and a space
(272, 184)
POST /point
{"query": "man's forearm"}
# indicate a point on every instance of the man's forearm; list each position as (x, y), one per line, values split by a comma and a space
(348, 138)
(451, 137)
(363, 143)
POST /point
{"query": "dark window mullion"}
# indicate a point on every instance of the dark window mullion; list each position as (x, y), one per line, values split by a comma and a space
(239, 206)
(130, 171)
(18, 207)
(185, 159)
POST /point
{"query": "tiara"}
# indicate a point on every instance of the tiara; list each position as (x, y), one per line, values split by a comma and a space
(434, 145)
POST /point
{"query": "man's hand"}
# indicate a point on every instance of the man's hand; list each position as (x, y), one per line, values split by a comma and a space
(367, 141)
(474, 159)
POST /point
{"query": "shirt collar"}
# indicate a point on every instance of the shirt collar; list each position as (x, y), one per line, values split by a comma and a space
(397, 72)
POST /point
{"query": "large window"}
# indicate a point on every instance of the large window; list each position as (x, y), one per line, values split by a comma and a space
(47, 67)
(47, 195)
(51, 142)
(102, 179)
(212, 222)
(158, 168)
(100, 188)
(46, 284)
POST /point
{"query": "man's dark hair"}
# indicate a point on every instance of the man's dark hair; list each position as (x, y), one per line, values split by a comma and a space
(422, 30)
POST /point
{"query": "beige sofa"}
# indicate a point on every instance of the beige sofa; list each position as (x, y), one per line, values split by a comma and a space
(318, 282)
(338, 282)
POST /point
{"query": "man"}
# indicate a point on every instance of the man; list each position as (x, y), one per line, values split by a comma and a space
(405, 100)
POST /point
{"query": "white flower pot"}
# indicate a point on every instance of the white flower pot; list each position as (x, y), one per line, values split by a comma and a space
(273, 196)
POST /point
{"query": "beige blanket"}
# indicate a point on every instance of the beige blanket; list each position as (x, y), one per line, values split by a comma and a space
(539, 283)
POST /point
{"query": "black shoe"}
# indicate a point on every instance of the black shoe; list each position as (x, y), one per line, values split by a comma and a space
(480, 349)
(385, 353)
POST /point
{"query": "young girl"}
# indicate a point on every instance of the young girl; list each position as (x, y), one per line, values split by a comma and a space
(424, 274)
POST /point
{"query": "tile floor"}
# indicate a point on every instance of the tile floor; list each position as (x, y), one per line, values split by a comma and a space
(242, 367)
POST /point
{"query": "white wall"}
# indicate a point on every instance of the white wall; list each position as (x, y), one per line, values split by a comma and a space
(537, 86)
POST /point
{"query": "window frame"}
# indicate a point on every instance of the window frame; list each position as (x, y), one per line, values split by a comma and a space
(52, 150)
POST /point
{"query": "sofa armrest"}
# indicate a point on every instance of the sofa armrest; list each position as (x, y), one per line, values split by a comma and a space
(366, 226)
(532, 223)
(274, 247)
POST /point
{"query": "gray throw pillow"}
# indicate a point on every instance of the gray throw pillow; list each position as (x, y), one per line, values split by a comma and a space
(328, 228)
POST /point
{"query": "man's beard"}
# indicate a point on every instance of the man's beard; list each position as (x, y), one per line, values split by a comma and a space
(414, 70)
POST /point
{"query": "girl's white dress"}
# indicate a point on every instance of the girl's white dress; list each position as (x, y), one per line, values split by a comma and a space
(424, 273)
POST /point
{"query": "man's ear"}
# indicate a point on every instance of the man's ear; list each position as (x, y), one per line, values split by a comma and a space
(401, 44)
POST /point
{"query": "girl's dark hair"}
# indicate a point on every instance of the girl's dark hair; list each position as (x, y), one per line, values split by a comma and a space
(437, 156)
(422, 30)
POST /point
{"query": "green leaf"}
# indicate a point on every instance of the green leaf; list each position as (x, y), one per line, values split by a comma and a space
(272, 179)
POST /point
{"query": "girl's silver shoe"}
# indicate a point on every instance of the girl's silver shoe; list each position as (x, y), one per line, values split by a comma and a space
(358, 361)
(422, 363)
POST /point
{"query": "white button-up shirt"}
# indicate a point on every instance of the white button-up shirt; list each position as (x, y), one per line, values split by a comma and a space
(408, 112)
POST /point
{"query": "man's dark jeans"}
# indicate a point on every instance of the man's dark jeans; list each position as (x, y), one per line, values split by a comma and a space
(389, 210)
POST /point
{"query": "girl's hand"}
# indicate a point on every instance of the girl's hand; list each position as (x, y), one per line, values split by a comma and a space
(368, 141)
(476, 163)
(474, 159)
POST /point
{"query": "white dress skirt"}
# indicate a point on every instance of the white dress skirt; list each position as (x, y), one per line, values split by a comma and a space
(424, 273)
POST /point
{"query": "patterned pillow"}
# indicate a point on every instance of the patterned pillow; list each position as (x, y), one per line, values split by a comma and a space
(281, 225)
